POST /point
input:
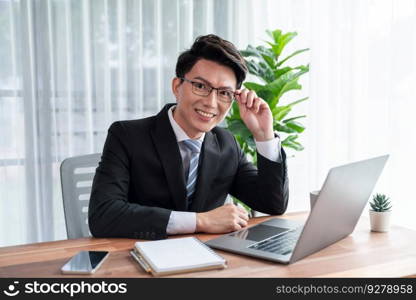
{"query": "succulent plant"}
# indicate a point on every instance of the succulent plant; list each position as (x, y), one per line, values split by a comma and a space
(380, 203)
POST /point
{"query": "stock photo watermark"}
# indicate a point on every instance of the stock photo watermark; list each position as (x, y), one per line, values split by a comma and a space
(70, 288)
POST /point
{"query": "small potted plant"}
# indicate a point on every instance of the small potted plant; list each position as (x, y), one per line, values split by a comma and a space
(380, 212)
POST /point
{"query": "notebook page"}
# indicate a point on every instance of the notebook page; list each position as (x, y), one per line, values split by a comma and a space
(179, 253)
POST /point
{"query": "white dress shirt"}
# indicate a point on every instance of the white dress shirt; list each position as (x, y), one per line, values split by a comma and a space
(182, 222)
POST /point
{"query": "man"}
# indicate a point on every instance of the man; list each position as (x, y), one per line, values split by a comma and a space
(171, 173)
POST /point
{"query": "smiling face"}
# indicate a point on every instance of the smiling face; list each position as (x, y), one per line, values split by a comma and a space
(197, 114)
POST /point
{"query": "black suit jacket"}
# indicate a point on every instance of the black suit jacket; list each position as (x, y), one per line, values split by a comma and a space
(140, 179)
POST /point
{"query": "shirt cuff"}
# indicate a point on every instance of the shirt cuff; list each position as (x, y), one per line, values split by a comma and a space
(181, 222)
(270, 149)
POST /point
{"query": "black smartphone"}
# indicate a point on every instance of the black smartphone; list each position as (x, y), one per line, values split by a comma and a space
(85, 262)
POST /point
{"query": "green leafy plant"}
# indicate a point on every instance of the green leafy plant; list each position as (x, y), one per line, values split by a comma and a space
(380, 203)
(277, 78)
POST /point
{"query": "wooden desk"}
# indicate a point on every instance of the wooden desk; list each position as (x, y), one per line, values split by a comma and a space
(362, 254)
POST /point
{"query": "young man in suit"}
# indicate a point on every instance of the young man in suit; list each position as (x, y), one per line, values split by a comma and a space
(171, 173)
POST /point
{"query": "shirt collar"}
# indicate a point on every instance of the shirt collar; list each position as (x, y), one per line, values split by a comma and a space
(179, 132)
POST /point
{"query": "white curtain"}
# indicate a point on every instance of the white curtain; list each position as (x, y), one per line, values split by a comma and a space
(70, 68)
(362, 88)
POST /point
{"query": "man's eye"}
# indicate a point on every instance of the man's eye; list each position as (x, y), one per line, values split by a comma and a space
(200, 86)
(226, 93)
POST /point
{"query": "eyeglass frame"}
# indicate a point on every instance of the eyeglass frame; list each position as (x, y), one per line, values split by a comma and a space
(210, 90)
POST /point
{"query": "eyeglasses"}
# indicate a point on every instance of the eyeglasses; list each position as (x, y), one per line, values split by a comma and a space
(202, 89)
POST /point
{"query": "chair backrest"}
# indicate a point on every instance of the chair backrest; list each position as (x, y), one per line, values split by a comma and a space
(77, 174)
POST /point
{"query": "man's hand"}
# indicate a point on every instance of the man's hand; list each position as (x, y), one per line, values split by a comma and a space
(256, 114)
(223, 219)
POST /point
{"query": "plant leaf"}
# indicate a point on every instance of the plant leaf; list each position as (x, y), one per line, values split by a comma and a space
(269, 60)
(234, 112)
(250, 141)
(283, 128)
(280, 72)
(250, 52)
(283, 84)
(267, 55)
(274, 35)
(261, 90)
(284, 40)
(279, 112)
(294, 118)
(291, 55)
(252, 68)
(237, 127)
(289, 86)
(380, 203)
(291, 142)
(276, 80)
(298, 127)
(254, 86)
(297, 101)
(262, 64)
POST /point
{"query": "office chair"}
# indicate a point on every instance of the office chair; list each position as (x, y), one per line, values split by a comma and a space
(77, 174)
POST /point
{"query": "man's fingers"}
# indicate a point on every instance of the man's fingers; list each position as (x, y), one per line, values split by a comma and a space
(236, 227)
(243, 96)
(250, 99)
(242, 223)
(263, 105)
(242, 213)
(229, 217)
(241, 209)
(256, 105)
(244, 216)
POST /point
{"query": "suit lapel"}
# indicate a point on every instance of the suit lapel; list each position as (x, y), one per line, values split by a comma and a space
(206, 171)
(168, 150)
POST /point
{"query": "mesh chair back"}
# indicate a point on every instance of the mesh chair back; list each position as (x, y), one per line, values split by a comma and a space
(77, 174)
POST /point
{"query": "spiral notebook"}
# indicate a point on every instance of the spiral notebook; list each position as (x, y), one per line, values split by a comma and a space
(177, 255)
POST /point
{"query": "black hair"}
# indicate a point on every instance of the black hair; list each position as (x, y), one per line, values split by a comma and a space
(214, 48)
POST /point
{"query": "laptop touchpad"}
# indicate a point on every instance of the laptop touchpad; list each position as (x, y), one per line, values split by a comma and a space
(258, 233)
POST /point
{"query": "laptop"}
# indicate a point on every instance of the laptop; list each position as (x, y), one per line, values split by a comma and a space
(334, 216)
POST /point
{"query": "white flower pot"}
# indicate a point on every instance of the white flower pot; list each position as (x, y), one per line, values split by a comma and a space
(380, 221)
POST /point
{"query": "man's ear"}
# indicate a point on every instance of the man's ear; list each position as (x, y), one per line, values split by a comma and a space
(176, 83)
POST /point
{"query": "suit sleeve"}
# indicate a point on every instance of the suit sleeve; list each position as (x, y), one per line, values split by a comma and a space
(264, 189)
(110, 213)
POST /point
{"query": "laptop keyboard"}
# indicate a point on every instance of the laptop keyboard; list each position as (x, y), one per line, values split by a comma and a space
(279, 244)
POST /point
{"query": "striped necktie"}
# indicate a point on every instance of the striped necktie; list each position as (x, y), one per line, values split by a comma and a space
(194, 146)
